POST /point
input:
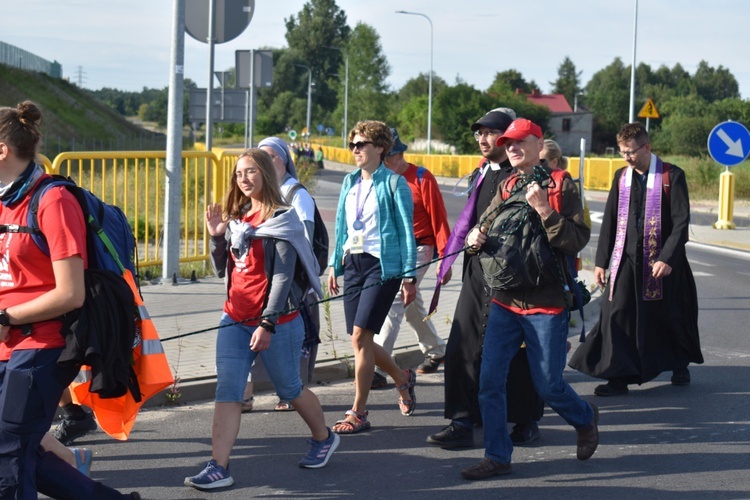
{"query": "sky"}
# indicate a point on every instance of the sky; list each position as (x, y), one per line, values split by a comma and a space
(126, 44)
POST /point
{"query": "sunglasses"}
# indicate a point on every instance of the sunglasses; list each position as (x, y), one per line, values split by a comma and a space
(358, 145)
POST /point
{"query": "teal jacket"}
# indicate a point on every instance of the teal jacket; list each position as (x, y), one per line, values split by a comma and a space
(398, 248)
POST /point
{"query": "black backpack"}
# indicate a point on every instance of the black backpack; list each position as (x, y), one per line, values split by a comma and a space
(320, 232)
(517, 254)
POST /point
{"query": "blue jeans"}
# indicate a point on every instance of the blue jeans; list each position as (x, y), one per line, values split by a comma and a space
(281, 360)
(545, 336)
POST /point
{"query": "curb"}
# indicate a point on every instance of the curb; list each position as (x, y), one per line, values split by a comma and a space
(327, 371)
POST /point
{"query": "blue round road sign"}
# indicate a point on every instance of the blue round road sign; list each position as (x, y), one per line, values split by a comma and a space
(729, 143)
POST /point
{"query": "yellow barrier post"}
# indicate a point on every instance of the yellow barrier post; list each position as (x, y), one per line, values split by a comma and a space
(726, 201)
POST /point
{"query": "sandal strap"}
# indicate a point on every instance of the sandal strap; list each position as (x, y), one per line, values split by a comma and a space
(359, 416)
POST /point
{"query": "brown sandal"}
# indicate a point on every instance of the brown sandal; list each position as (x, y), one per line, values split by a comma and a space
(346, 427)
(408, 406)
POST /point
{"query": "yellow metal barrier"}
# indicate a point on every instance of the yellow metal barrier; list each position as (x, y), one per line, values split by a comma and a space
(135, 181)
(598, 172)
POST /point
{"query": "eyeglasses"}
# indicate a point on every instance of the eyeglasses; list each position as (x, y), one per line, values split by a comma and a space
(240, 174)
(358, 145)
(478, 135)
(630, 154)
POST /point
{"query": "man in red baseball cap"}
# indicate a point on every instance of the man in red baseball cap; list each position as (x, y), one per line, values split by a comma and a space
(539, 315)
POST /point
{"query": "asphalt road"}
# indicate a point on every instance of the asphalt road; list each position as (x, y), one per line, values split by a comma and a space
(659, 442)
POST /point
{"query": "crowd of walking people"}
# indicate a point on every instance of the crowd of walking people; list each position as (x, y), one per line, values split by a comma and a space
(507, 348)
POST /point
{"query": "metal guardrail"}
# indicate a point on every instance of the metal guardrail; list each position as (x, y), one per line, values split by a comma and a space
(135, 182)
(598, 172)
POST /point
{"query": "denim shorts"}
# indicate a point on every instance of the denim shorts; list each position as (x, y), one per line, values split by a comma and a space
(234, 358)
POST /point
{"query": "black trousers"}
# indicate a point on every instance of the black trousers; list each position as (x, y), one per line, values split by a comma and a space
(463, 357)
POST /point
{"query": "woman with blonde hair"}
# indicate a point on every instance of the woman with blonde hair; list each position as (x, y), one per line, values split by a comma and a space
(258, 243)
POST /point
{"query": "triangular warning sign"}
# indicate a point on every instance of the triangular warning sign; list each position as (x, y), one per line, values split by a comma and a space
(649, 110)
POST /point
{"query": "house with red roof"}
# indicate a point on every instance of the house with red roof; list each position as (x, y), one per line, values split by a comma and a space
(567, 125)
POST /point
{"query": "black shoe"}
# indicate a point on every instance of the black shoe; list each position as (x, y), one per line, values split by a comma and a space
(68, 430)
(453, 436)
(430, 365)
(378, 381)
(681, 377)
(485, 469)
(610, 389)
(524, 434)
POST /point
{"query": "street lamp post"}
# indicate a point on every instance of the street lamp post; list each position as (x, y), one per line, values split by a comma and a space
(631, 116)
(346, 91)
(309, 96)
(429, 98)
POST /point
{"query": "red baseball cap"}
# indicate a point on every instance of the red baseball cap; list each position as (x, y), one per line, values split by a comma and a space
(520, 129)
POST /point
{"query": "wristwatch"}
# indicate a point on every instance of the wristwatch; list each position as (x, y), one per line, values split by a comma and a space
(4, 318)
(410, 280)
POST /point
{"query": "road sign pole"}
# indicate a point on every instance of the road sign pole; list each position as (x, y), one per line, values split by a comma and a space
(726, 201)
(728, 145)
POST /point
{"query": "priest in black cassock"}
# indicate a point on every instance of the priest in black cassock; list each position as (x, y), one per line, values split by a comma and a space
(649, 308)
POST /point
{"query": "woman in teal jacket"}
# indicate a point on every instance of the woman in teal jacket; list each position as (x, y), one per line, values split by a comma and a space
(374, 242)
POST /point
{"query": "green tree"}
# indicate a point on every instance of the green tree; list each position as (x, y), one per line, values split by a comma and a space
(320, 24)
(568, 81)
(368, 71)
(509, 81)
(715, 84)
(455, 109)
(608, 98)
(420, 86)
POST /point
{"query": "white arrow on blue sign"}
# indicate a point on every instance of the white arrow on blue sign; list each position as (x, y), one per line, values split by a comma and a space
(729, 143)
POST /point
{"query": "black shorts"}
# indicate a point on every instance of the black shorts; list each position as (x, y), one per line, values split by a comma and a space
(369, 308)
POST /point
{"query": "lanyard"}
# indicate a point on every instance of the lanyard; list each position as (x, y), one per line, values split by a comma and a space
(358, 224)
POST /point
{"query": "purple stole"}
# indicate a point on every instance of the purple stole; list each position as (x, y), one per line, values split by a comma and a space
(652, 287)
(456, 240)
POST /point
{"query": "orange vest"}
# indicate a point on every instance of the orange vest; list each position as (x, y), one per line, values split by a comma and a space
(116, 416)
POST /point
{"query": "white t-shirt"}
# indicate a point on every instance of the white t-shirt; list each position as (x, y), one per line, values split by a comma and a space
(302, 202)
(368, 206)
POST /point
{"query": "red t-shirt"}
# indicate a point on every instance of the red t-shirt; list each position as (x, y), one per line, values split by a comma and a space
(249, 284)
(247, 290)
(26, 272)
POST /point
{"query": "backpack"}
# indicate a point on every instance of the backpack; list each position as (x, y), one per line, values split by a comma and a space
(320, 232)
(102, 333)
(517, 254)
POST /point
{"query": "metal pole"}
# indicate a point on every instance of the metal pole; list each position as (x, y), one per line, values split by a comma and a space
(309, 100)
(631, 117)
(209, 89)
(171, 252)
(309, 95)
(251, 107)
(346, 99)
(429, 98)
(247, 116)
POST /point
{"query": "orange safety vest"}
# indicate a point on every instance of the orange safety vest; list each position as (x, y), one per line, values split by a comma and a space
(116, 416)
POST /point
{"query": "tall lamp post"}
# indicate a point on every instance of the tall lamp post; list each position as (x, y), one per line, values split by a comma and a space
(429, 98)
(631, 116)
(309, 94)
(346, 91)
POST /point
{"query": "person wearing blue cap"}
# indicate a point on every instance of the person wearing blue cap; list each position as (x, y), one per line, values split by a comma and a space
(431, 230)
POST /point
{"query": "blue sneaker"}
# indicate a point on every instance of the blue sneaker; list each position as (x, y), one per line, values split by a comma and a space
(320, 451)
(213, 476)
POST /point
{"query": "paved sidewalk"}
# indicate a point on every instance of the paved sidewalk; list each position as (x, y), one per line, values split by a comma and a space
(190, 307)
